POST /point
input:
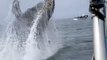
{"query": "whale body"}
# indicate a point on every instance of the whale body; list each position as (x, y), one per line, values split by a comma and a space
(23, 22)
(26, 27)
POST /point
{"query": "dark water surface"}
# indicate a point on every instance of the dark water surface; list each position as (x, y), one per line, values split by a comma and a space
(77, 36)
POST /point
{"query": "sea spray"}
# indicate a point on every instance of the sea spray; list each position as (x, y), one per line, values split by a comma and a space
(23, 42)
(32, 51)
(20, 44)
(41, 44)
(14, 42)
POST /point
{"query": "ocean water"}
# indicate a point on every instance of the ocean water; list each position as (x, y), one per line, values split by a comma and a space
(77, 37)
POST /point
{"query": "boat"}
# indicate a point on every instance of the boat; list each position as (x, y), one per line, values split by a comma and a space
(82, 17)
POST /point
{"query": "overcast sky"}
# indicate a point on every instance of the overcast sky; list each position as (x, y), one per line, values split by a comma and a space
(63, 9)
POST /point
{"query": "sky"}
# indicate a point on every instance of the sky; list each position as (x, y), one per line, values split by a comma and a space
(71, 8)
(63, 8)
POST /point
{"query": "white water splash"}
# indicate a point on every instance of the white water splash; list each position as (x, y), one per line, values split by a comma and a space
(24, 43)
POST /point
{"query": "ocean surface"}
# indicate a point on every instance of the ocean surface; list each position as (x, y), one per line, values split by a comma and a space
(77, 37)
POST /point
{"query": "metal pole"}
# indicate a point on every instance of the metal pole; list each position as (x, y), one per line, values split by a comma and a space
(97, 8)
(99, 39)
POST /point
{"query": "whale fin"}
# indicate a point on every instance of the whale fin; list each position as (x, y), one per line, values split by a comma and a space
(16, 8)
(49, 6)
(45, 14)
(30, 14)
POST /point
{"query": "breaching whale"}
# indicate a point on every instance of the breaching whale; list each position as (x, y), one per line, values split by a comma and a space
(24, 20)
(27, 36)
(20, 26)
(47, 6)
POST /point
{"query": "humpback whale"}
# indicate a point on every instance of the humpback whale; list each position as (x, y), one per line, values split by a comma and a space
(23, 21)
(30, 14)
(20, 28)
(28, 36)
